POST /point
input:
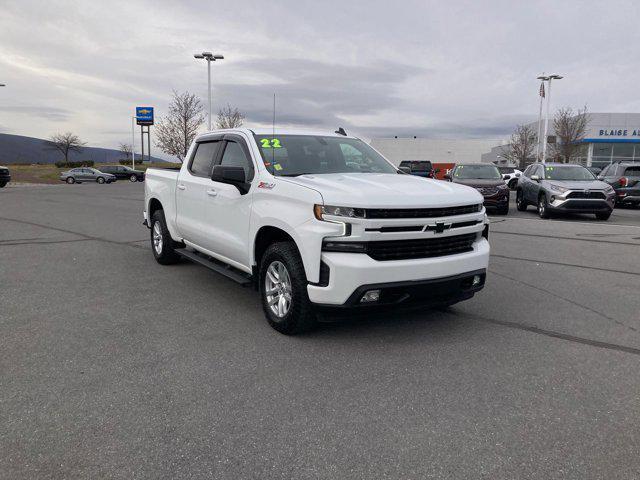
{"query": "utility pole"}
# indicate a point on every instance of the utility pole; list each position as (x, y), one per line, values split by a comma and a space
(133, 142)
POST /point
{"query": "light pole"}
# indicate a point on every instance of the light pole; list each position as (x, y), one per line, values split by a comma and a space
(547, 78)
(133, 143)
(209, 57)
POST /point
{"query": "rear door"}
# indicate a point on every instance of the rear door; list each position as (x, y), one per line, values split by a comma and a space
(192, 199)
(632, 174)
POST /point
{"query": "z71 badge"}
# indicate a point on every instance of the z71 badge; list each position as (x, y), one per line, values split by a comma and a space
(266, 185)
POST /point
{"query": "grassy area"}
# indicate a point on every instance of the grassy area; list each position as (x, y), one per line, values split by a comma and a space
(51, 174)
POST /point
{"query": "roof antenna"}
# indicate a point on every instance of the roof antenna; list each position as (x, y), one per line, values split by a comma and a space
(340, 131)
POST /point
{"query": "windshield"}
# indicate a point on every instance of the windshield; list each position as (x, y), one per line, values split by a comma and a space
(573, 172)
(483, 172)
(505, 170)
(291, 155)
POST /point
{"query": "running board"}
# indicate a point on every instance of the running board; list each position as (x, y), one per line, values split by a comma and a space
(217, 266)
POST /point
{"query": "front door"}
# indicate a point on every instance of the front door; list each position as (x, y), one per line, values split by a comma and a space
(229, 211)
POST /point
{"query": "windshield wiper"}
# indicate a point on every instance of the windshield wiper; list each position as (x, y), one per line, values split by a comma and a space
(292, 174)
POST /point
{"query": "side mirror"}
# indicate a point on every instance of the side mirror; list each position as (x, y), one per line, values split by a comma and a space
(535, 178)
(600, 177)
(231, 175)
(505, 177)
(406, 170)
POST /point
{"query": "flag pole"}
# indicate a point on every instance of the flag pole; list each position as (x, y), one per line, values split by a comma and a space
(541, 94)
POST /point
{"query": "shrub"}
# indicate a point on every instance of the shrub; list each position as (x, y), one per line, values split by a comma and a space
(84, 163)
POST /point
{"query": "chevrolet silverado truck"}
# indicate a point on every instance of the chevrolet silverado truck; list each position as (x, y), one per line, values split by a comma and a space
(317, 222)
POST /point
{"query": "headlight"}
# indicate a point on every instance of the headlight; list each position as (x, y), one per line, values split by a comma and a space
(558, 188)
(503, 186)
(609, 189)
(321, 210)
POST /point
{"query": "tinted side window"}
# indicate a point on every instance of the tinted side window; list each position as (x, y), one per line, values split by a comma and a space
(632, 172)
(234, 156)
(202, 162)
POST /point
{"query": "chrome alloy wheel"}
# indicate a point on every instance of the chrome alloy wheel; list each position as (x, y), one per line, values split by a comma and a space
(157, 238)
(277, 288)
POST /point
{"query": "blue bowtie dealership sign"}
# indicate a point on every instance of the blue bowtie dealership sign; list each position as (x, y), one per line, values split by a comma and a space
(144, 115)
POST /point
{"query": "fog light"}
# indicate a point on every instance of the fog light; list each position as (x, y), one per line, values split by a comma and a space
(370, 296)
(476, 280)
(553, 198)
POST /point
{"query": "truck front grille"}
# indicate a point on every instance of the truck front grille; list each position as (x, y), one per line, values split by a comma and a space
(590, 194)
(420, 248)
(421, 212)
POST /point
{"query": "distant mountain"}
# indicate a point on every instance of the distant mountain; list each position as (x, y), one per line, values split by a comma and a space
(19, 149)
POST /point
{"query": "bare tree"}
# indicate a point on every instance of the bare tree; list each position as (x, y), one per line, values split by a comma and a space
(570, 128)
(176, 130)
(229, 117)
(521, 146)
(65, 143)
(126, 149)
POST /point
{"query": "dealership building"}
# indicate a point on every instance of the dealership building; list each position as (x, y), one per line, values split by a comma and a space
(435, 150)
(610, 137)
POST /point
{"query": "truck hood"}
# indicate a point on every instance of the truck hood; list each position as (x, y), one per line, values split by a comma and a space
(387, 190)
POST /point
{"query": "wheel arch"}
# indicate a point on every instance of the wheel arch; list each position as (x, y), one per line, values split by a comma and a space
(265, 236)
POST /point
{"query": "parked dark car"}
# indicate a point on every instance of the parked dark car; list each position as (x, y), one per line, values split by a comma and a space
(420, 168)
(86, 174)
(5, 176)
(624, 177)
(485, 178)
(123, 172)
(561, 187)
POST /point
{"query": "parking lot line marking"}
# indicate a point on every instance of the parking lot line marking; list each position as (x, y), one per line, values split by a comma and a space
(553, 334)
(46, 242)
(574, 239)
(565, 264)
(568, 300)
(83, 235)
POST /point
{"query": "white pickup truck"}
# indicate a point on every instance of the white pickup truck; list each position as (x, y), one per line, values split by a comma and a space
(316, 221)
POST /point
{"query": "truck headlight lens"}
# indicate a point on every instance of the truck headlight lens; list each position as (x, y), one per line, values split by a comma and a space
(321, 210)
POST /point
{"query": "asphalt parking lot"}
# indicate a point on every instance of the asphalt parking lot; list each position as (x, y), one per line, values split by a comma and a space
(112, 366)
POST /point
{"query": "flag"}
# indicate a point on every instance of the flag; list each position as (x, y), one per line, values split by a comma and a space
(542, 89)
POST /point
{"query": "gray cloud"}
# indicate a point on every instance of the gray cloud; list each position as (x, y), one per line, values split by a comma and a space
(417, 67)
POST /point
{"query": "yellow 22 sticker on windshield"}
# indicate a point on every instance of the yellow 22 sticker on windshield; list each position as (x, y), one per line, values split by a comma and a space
(270, 143)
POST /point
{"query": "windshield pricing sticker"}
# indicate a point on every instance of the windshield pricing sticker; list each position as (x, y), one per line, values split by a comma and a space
(277, 166)
(270, 143)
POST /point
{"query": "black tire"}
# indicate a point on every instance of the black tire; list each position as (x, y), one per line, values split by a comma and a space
(503, 210)
(521, 203)
(100, 180)
(513, 184)
(603, 215)
(3, 184)
(133, 179)
(300, 316)
(543, 206)
(70, 180)
(166, 253)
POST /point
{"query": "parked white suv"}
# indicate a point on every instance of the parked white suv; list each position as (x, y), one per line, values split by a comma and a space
(317, 220)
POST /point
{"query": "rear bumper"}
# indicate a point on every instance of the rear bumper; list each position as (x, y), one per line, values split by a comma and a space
(351, 272)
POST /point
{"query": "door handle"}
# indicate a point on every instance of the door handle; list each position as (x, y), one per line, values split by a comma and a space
(181, 187)
(211, 192)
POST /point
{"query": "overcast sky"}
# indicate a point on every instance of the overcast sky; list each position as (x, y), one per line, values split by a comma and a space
(445, 69)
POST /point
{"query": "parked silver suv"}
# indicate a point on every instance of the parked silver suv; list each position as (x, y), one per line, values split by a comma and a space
(561, 187)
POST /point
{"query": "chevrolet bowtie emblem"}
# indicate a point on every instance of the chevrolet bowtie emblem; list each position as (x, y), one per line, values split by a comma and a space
(439, 227)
